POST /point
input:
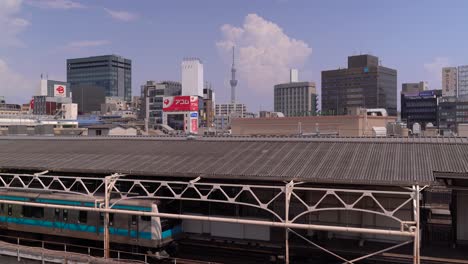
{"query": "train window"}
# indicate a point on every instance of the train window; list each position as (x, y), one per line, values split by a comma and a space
(134, 219)
(57, 214)
(32, 212)
(145, 218)
(10, 209)
(2, 208)
(65, 215)
(111, 219)
(83, 217)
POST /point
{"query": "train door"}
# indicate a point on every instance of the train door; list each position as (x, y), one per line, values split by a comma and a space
(4, 216)
(57, 223)
(133, 226)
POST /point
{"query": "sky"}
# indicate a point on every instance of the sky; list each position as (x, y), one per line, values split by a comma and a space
(417, 38)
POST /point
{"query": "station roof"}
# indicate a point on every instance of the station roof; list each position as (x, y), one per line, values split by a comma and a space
(370, 161)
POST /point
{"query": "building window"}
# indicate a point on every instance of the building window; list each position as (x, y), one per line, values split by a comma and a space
(98, 132)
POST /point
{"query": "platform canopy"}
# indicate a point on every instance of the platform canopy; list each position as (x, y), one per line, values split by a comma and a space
(370, 161)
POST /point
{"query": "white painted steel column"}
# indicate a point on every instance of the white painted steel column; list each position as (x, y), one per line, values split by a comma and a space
(417, 246)
(287, 199)
(106, 218)
(417, 235)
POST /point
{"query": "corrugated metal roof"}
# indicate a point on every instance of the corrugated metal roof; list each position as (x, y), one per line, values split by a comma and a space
(396, 161)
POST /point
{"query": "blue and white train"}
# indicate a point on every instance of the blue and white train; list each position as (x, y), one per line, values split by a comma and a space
(145, 231)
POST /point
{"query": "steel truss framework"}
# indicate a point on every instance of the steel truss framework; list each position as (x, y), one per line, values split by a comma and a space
(119, 188)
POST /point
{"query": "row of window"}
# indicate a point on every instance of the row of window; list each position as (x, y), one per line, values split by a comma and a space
(63, 215)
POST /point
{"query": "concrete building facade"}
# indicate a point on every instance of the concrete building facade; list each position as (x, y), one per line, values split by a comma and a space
(207, 113)
(414, 88)
(231, 109)
(152, 93)
(462, 89)
(363, 84)
(192, 77)
(49, 105)
(295, 98)
(111, 74)
(224, 113)
(52, 88)
(449, 81)
(88, 97)
(345, 125)
(452, 112)
(421, 108)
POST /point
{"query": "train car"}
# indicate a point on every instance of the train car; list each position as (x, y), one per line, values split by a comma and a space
(145, 231)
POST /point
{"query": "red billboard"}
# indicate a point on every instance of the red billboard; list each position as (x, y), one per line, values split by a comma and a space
(180, 104)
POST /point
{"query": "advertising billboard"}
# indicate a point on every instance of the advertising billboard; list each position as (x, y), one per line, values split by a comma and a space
(180, 104)
(426, 93)
(60, 90)
(194, 126)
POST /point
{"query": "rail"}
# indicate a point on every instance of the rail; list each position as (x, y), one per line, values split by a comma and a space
(87, 251)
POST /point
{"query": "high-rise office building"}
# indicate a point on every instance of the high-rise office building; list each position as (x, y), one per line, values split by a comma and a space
(462, 81)
(153, 93)
(414, 88)
(192, 77)
(449, 81)
(363, 84)
(295, 98)
(110, 74)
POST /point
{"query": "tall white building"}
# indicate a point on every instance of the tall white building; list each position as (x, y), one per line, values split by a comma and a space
(462, 81)
(293, 75)
(449, 81)
(192, 77)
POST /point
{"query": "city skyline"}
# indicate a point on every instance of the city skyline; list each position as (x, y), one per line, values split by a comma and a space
(268, 40)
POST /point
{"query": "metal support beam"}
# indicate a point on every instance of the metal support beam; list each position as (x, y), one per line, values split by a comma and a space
(380, 252)
(287, 200)
(100, 189)
(109, 183)
(317, 246)
(416, 253)
(223, 219)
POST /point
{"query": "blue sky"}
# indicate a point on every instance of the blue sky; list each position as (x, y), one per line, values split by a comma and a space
(415, 37)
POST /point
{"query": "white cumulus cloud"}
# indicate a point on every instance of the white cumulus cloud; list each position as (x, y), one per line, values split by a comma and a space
(55, 4)
(87, 43)
(264, 53)
(10, 24)
(121, 15)
(15, 87)
(434, 70)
